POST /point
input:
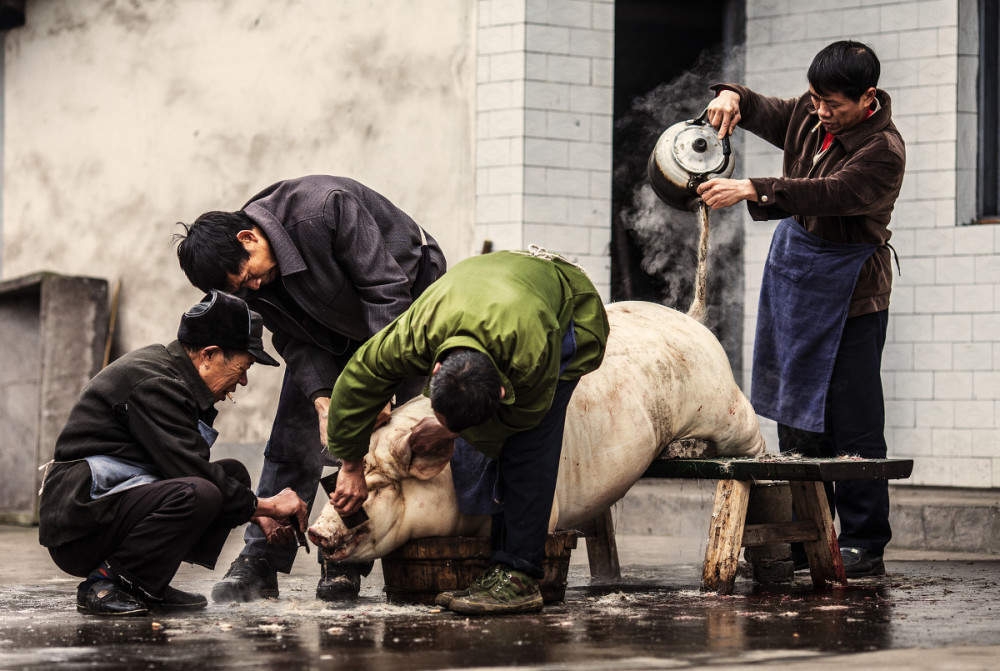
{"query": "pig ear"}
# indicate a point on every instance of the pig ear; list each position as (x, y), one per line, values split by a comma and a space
(421, 466)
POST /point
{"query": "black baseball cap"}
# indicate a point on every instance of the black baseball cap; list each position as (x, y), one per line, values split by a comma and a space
(225, 321)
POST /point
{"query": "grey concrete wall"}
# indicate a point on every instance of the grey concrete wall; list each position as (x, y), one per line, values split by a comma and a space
(122, 118)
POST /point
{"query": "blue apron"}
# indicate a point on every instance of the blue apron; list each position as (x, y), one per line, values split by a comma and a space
(805, 295)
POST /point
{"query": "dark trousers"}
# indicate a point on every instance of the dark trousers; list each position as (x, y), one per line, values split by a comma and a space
(528, 465)
(156, 527)
(855, 425)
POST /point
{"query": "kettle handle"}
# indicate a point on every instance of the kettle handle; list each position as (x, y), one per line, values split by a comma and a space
(727, 149)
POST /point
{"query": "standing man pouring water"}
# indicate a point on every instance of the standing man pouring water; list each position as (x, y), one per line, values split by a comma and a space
(825, 292)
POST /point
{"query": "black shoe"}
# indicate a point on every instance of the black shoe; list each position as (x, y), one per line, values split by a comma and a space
(860, 562)
(175, 599)
(108, 598)
(340, 580)
(248, 578)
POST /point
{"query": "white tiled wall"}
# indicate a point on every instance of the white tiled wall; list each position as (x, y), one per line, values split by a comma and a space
(544, 120)
(941, 370)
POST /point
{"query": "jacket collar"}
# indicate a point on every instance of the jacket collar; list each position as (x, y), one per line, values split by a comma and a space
(285, 253)
(202, 394)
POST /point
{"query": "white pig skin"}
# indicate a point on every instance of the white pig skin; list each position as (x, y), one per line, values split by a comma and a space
(665, 378)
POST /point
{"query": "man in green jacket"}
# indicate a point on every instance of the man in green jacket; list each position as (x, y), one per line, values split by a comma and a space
(506, 337)
(132, 492)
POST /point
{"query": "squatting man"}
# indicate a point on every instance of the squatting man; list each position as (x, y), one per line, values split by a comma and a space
(132, 492)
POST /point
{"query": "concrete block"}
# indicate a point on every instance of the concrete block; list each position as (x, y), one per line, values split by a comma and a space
(571, 13)
(937, 414)
(952, 328)
(914, 385)
(594, 214)
(987, 269)
(546, 95)
(975, 298)
(548, 39)
(937, 13)
(592, 43)
(934, 299)
(568, 126)
(565, 69)
(571, 182)
(954, 385)
(976, 415)
(591, 99)
(912, 442)
(986, 442)
(952, 442)
(986, 327)
(986, 385)
(54, 329)
(897, 356)
(602, 72)
(900, 413)
(972, 356)
(898, 18)
(935, 356)
(546, 209)
(548, 153)
(590, 155)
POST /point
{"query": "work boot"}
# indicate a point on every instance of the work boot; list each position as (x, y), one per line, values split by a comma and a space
(860, 563)
(109, 598)
(248, 578)
(509, 591)
(340, 581)
(485, 581)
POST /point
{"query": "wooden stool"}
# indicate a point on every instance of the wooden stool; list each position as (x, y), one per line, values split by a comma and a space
(728, 531)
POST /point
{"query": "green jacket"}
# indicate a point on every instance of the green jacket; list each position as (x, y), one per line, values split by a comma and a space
(512, 306)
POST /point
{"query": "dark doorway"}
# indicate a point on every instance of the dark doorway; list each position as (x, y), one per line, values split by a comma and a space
(667, 54)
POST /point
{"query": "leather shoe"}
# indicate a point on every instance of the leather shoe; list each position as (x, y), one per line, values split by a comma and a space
(340, 581)
(108, 598)
(247, 579)
(175, 599)
(860, 562)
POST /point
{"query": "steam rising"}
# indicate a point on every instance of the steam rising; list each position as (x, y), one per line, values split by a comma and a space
(664, 239)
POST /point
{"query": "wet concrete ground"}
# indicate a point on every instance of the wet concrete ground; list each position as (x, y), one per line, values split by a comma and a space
(929, 611)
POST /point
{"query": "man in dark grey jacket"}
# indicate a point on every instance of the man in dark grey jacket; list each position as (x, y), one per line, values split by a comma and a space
(131, 491)
(328, 263)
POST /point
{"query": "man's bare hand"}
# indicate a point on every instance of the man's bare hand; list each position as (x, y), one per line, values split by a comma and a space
(431, 438)
(724, 112)
(322, 405)
(352, 490)
(719, 193)
(276, 533)
(284, 505)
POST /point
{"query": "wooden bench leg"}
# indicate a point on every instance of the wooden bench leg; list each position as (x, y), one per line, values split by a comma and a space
(825, 562)
(602, 550)
(725, 535)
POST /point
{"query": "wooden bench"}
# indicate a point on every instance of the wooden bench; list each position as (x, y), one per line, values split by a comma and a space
(741, 481)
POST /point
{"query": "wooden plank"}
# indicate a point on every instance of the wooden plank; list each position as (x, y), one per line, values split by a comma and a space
(825, 470)
(725, 535)
(602, 550)
(825, 563)
(781, 532)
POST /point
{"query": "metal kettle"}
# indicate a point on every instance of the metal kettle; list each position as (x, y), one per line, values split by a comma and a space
(687, 154)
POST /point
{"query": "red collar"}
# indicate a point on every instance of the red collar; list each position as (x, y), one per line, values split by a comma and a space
(828, 138)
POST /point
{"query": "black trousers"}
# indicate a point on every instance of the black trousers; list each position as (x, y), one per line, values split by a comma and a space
(157, 526)
(855, 425)
(528, 466)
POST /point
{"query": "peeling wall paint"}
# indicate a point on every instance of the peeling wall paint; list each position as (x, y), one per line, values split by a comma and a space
(124, 117)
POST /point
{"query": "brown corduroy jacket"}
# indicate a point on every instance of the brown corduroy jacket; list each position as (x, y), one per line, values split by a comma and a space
(847, 195)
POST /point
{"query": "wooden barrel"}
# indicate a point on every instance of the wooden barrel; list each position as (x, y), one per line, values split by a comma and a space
(423, 567)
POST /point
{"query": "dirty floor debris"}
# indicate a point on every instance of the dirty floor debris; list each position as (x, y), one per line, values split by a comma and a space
(941, 614)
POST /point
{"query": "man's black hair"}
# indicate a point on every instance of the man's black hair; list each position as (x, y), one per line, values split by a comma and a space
(209, 251)
(845, 67)
(466, 389)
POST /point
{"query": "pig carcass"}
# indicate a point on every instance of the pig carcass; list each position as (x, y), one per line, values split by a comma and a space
(665, 381)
